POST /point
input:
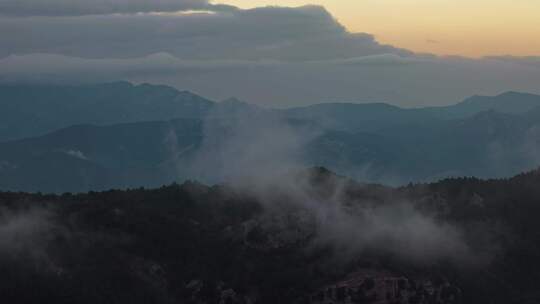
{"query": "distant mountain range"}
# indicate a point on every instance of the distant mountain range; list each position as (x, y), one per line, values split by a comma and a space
(119, 135)
(31, 110)
(87, 157)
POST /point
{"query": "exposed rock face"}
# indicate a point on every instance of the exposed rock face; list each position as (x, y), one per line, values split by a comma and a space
(366, 286)
(383, 287)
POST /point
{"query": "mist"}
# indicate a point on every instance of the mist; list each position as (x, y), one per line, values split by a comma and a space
(25, 234)
(261, 156)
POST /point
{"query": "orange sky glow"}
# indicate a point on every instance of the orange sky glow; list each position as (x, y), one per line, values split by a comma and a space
(444, 27)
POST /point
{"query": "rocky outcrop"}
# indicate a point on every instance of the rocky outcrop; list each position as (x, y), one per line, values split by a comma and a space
(382, 287)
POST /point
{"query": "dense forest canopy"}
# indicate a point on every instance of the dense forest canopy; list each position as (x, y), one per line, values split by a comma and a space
(311, 237)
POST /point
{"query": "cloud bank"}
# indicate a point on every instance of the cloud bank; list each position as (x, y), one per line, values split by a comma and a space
(306, 33)
(401, 80)
(274, 56)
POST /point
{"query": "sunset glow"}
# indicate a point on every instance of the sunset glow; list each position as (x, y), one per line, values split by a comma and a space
(459, 27)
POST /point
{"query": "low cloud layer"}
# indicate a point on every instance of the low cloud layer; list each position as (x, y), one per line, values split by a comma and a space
(401, 80)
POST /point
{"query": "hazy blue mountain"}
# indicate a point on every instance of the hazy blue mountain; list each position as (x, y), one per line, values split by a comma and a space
(118, 146)
(30, 110)
(509, 102)
(358, 117)
(488, 144)
(85, 157)
(119, 135)
(376, 116)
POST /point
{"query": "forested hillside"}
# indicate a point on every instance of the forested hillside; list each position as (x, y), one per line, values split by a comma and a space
(313, 237)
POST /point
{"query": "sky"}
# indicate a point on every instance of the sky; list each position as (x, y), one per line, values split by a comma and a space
(334, 51)
(446, 27)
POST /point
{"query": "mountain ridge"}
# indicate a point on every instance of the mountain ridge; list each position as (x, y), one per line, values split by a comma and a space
(488, 144)
(28, 110)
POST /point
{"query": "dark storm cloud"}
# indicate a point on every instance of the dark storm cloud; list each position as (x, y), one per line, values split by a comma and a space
(97, 7)
(305, 33)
